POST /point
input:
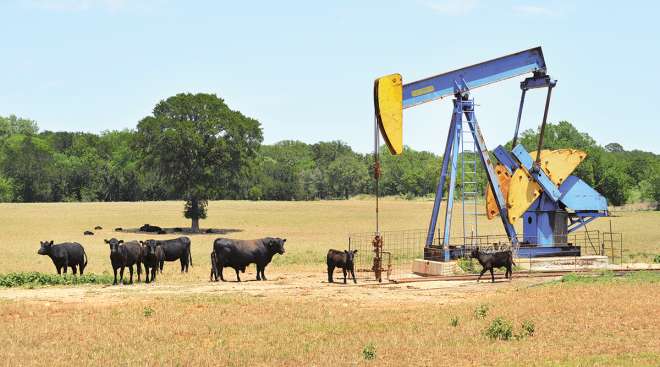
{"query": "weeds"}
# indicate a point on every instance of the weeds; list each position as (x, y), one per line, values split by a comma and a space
(499, 329)
(454, 321)
(369, 352)
(468, 265)
(527, 328)
(36, 279)
(481, 312)
(148, 311)
(656, 259)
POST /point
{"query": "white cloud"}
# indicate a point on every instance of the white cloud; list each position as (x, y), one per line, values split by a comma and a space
(454, 7)
(533, 10)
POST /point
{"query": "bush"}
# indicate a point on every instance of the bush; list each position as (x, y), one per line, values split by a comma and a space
(467, 265)
(481, 311)
(499, 329)
(527, 328)
(32, 279)
(148, 311)
(369, 352)
(454, 321)
(656, 259)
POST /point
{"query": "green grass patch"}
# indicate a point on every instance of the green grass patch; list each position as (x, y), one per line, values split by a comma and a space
(36, 279)
(609, 276)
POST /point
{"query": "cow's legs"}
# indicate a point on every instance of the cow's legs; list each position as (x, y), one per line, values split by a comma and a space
(162, 262)
(74, 269)
(121, 275)
(146, 273)
(82, 268)
(153, 273)
(258, 272)
(59, 269)
(331, 270)
(220, 268)
(115, 271)
(344, 270)
(481, 274)
(492, 275)
(353, 274)
(263, 274)
(66, 265)
(183, 263)
(238, 277)
(130, 270)
(139, 270)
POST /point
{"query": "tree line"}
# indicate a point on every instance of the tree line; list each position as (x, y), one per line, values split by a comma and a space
(194, 148)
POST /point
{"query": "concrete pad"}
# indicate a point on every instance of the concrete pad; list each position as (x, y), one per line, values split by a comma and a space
(428, 267)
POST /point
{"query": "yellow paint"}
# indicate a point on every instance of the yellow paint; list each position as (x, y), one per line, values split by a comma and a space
(504, 178)
(422, 91)
(558, 164)
(388, 101)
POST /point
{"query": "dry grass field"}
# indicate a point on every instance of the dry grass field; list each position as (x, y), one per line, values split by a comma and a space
(296, 318)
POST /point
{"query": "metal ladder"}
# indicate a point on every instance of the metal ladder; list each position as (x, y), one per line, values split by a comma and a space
(469, 184)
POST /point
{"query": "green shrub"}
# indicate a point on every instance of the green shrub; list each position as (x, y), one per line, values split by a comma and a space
(454, 321)
(499, 329)
(468, 265)
(148, 311)
(527, 328)
(36, 279)
(656, 259)
(481, 311)
(369, 352)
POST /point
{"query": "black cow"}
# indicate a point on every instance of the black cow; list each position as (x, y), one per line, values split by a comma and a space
(238, 254)
(88, 233)
(118, 229)
(342, 260)
(489, 261)
(152, 255)
(124, 255)
(98, 228)
(149, 228)
(176, 249)
(64, 255)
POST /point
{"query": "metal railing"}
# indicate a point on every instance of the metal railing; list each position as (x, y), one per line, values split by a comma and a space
(397, 250)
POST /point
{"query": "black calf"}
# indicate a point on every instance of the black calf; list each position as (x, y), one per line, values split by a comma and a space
(489, 261)
(342, 260)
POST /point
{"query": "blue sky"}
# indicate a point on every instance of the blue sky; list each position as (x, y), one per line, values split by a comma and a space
(305, 69)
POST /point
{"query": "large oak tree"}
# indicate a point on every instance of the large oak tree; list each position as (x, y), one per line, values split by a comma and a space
(199, 146)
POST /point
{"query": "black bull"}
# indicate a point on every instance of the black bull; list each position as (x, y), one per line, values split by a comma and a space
(238, 254)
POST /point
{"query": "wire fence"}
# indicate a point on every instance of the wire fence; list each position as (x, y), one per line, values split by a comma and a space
(391, 255)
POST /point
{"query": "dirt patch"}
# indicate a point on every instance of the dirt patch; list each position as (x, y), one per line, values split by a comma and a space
(283, 285)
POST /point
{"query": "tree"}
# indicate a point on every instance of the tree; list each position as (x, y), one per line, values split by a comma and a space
(656, 191)
(347, 174)
(614, 148)
(199, 146)
(28, 161)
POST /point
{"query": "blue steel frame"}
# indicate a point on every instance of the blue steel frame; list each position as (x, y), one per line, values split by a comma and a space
(463, 105)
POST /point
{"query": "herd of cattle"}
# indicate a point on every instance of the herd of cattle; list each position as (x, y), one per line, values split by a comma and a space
(226, 253)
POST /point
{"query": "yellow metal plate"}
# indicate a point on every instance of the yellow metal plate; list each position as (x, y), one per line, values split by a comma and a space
(558, 164)
(504, 178)
(388, 102)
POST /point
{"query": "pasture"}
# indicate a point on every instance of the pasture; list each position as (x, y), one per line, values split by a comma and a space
(296, 318)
